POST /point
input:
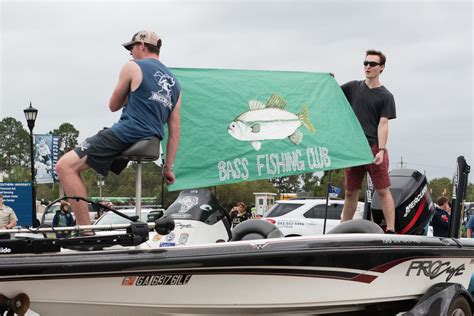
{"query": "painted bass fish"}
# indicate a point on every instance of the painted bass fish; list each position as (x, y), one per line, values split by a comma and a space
(269, 121)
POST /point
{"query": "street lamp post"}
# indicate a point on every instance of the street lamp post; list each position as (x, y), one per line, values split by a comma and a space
(100, 184)
(30, 114)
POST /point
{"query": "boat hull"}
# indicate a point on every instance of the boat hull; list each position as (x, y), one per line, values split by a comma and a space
(325, 273)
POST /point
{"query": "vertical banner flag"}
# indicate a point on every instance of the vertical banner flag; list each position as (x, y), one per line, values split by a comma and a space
(245, 125)
(46, 155)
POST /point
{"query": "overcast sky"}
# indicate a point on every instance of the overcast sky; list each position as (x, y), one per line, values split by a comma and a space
(65, 56)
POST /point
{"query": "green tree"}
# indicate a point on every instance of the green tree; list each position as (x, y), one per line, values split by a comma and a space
(289, 184)
(47, 191)
(229, 194)
(337, 180)
(19, 174)
(310, 182)
(470, 193)
(68, 140)
(441, 186)
(124, 184)
(14, 145)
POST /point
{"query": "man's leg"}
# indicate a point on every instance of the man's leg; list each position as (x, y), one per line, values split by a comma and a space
(381, 179)
(350, 204)
(388, 207)
(352, 183)
(69, 169)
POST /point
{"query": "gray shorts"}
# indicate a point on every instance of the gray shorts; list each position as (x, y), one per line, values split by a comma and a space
(101, 151)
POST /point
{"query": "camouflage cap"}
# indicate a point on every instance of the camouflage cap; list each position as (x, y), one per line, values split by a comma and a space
(148, 37)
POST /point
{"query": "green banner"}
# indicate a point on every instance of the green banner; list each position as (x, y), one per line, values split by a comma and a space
(245, 125)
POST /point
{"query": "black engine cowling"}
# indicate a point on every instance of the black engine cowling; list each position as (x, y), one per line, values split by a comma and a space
(414, 207)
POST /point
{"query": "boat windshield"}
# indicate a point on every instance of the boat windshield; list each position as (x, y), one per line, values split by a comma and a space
(199, 205)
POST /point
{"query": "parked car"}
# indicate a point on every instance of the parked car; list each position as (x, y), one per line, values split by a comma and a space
(305, 217)
(48, 215)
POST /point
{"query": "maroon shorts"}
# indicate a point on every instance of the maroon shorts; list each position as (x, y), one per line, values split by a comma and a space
(378, 173)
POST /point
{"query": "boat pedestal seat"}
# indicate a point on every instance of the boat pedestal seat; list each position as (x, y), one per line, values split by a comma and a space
(253, 229)
(143, 150)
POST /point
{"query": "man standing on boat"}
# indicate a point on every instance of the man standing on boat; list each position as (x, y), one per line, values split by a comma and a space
(374, 106)
(149, 95)
(8, 218)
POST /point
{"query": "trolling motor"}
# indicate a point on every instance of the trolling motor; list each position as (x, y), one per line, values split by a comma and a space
(460, 183)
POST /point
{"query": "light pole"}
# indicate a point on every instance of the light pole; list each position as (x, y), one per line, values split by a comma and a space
(100, 184)
(30, 114)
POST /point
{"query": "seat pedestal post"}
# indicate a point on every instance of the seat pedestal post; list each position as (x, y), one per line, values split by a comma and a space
(143, 150)
(138, 190)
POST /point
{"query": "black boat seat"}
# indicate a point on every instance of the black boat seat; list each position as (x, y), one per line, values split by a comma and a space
(143, 150)
(357, 226)
(252, 229)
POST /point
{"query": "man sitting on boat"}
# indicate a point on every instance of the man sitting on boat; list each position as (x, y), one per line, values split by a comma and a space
(149, 96)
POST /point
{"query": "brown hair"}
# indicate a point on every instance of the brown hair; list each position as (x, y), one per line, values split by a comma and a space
(382, 57)
(442, 200)
(241, 204)
(63, 203)
(154, 49)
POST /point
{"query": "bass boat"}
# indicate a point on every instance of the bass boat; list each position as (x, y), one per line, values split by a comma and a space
(355, 268)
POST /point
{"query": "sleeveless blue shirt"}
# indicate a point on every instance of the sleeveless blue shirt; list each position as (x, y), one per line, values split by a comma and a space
(150, 105)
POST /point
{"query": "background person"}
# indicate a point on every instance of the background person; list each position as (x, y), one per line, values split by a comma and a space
(470, 227)
(440, 220)
(373, 106)
(8, 218)
(99, 210)
(63, 218)
(239, 213)
(149, 96)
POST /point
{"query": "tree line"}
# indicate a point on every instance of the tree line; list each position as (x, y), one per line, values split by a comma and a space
(15, 167)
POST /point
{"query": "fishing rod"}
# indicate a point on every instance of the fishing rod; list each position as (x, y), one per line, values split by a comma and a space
(161, 223)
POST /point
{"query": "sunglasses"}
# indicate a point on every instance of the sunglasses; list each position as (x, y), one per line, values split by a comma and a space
(371, 63)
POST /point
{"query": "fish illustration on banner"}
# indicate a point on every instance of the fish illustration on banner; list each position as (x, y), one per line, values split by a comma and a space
(266, 121)
(245, 125)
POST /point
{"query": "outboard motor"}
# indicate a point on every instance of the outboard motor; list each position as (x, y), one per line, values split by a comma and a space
(414, 207)
(198, 218)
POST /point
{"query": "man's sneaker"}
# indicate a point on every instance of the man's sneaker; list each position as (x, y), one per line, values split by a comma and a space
(390, 231)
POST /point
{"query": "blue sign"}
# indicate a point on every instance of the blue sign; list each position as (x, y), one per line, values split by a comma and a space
(17, 195)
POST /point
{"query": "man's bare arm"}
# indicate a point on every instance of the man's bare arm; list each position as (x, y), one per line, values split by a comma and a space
(122, 89)
(382, 132)
(174, 132)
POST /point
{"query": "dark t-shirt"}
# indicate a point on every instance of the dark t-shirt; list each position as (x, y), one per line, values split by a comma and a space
(369, 106)
(440, 222)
